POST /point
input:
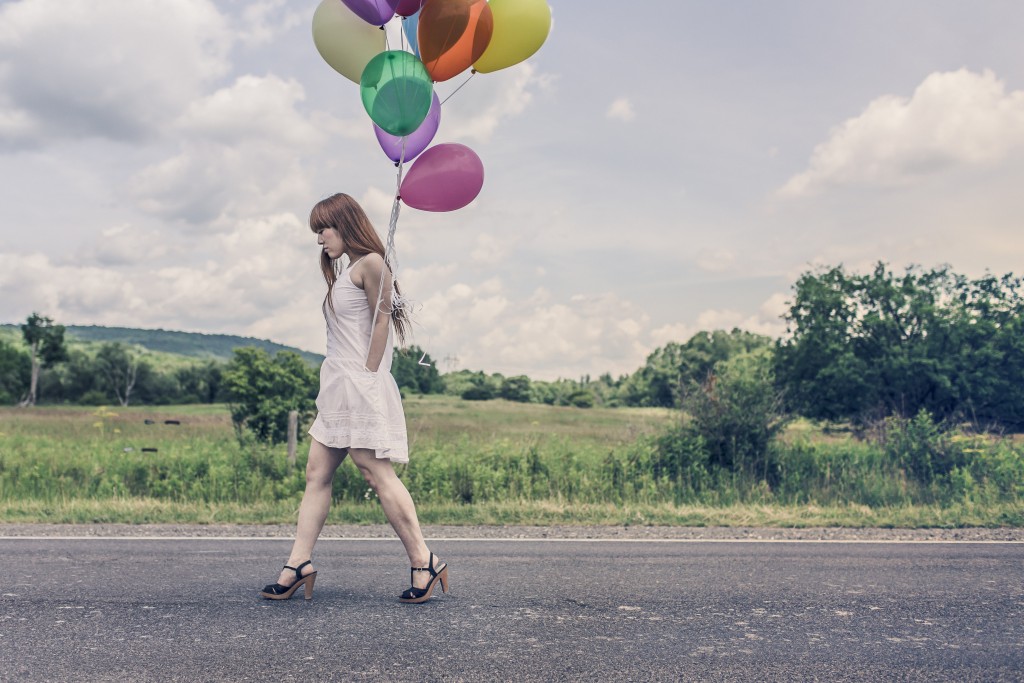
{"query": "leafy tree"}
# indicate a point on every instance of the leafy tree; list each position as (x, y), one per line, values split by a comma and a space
(15, 373)
(200, 383)
(415, 370)
(75, 378)
(606, 390)
(45, 342)
(480, 385)
(862, 347)
(515, 389)
(554, 393)
(481, 388)
(674, 368)
(704, 350)
(581, 398)
(118, 367)
(657, 383)
(264, 389)
(153, 386)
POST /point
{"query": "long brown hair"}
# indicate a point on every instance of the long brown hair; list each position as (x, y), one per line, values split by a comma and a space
(344, 214)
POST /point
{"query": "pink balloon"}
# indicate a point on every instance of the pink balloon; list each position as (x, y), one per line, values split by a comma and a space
(416, 141)
(407, 8)
(446, 177)
(376, 12)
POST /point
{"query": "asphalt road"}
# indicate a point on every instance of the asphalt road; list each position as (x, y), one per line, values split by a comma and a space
(187, 610)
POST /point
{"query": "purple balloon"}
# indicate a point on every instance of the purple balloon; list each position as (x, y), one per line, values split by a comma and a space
(376, 12)
(446, 177)
(416, 141)
(407, 8)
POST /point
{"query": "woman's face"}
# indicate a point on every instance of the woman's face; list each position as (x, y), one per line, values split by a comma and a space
(331, 242)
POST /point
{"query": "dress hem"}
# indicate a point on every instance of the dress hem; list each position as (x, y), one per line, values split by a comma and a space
(347, 441)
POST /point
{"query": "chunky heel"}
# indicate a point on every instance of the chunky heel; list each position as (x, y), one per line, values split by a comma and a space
(440, 575)
(443, 576)
(276, 591)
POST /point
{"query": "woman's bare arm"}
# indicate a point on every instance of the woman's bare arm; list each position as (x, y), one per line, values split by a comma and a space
(375, 276)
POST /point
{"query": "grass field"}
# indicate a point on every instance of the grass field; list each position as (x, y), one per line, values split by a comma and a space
(490, 462)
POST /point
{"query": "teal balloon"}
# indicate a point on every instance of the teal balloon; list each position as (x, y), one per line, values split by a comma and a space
(396, 91)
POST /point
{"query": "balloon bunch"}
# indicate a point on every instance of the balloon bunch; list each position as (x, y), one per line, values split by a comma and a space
(445, 39)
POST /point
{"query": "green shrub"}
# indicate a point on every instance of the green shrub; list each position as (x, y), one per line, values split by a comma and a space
(580, 399)
(737, 412)
(922, 447)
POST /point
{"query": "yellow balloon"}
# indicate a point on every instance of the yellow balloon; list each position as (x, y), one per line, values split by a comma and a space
(520, 28)
(345, 41)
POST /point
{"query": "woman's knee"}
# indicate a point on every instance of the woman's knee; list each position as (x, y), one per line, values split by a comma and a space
(322, 464)
(318, 474)
(370, 475)
(376, 472)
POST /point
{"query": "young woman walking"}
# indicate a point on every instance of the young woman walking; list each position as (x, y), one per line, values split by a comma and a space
(359, 407)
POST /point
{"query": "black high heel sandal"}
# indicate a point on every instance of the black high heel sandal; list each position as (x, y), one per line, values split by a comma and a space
(416, 595)
(276, 591)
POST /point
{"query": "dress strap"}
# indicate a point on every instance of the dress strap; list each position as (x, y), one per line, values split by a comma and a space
(352, 264)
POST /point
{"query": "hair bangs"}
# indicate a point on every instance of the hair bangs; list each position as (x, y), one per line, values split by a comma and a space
(320, 218)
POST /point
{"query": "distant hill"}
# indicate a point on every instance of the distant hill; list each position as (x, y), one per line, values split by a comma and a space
(192, 344)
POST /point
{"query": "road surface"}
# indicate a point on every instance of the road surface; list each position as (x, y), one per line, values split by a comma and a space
(186, 609)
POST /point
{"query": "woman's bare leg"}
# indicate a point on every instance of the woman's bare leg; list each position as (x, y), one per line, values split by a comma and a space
(316, 501)
(398, 508)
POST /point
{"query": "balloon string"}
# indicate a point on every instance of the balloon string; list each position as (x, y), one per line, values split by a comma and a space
(390, 253)
(459, 88)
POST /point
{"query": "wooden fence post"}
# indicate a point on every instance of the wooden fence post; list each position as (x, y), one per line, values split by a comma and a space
(293, 435)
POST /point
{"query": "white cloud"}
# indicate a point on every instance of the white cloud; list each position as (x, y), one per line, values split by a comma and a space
(767, 320)
(716, 260)
(124, 245)
(255, 279)
(253, 110)
(491, 250)
(621, 110)
(489, 329)
(957, 118)
(476, 114)
(263, 21)
(242, 153)
(119, 70)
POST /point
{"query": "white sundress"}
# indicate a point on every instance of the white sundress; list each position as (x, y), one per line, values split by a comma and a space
(357, 408)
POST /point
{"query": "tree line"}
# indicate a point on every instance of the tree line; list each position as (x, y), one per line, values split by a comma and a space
(858, 348)
(47, 369)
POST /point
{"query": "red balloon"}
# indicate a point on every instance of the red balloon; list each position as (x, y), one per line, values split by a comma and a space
(444, 178)
(452, 34)
(407, 8)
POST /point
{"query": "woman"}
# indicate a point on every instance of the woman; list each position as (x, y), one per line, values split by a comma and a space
(359, 407)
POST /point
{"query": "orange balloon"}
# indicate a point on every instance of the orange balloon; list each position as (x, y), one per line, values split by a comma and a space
(452, 34)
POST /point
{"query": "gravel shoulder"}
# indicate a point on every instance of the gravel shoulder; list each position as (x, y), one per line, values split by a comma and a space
(639, 533)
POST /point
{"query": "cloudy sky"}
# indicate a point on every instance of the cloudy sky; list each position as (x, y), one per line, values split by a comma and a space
(656, 169)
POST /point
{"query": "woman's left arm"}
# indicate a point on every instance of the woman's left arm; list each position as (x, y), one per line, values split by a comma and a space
(378, 287)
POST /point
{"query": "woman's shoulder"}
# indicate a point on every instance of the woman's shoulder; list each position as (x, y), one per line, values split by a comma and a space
(367, 264)
(370, 259)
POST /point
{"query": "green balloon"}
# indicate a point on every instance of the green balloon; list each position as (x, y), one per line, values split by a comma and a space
(396, 91)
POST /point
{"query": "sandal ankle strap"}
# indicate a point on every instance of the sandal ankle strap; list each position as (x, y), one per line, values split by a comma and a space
(430, 568)
(298, 570)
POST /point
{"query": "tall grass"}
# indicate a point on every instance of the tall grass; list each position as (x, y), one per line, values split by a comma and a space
(493, 462)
